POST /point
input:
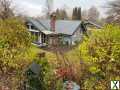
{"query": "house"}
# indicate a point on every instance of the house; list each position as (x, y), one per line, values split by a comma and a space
(55, 32)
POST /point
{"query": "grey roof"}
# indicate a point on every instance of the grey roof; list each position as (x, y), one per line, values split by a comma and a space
(67, 27)
(36, 23)
(62, 26)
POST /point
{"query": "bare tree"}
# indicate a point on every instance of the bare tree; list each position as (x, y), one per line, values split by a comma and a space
(5, 9)
(84, 15)
(93, 14)
(114, 11)
(49, 6)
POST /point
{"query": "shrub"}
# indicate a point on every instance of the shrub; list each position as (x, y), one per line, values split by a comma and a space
(14, 41)
(101, 52)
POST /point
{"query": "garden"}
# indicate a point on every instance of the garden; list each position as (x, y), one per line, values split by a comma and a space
(91, 65)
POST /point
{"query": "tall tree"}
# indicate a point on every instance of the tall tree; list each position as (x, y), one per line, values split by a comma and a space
(5, 9)
(73, 14)
(84, 15)
(61, 14)
(76, 14)
(48, 10)
(58, 14)
(79, 14)
(93, 14)
(64, 14)
(114, 11)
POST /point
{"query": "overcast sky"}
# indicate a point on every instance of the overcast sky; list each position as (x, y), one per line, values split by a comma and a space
(35, 7)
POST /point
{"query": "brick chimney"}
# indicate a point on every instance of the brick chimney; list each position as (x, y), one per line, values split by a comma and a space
(53, 21)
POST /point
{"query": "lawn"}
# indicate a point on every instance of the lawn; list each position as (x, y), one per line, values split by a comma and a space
(34, 50)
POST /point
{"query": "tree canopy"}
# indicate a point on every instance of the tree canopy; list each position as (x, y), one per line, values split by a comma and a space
(76, 13)
(6, 10)
(93, 14)
(114, 11)
(61, 14)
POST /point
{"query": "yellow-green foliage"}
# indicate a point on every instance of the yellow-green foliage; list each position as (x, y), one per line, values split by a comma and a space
(101, 55)
(14, 42)
(102, 45)
(16, 52)
(102, 50)
(34, 50)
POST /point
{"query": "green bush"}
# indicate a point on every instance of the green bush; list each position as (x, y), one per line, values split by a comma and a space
(101, 52)
(45, 80)
(14, 42)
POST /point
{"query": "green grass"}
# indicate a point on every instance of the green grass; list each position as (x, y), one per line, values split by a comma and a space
(34, 50)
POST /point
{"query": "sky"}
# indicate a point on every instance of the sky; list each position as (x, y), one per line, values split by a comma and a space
(37, 7)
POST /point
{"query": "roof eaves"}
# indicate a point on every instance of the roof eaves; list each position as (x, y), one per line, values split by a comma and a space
(94, 24)
(76, 29)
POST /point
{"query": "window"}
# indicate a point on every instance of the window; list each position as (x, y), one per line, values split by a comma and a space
(33, 27)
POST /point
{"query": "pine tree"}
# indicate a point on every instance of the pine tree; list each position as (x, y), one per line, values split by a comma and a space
(75, 13)
(61, 14)
(79, 14)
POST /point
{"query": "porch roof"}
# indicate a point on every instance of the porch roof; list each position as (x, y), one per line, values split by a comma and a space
(47, 32)
(33, 30)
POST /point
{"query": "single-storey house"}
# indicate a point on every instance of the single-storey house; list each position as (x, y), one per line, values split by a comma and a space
(54, 32)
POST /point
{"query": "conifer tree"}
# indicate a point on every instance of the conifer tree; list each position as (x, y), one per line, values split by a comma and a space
(76, 14)
(73, 14)
(79, 14)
